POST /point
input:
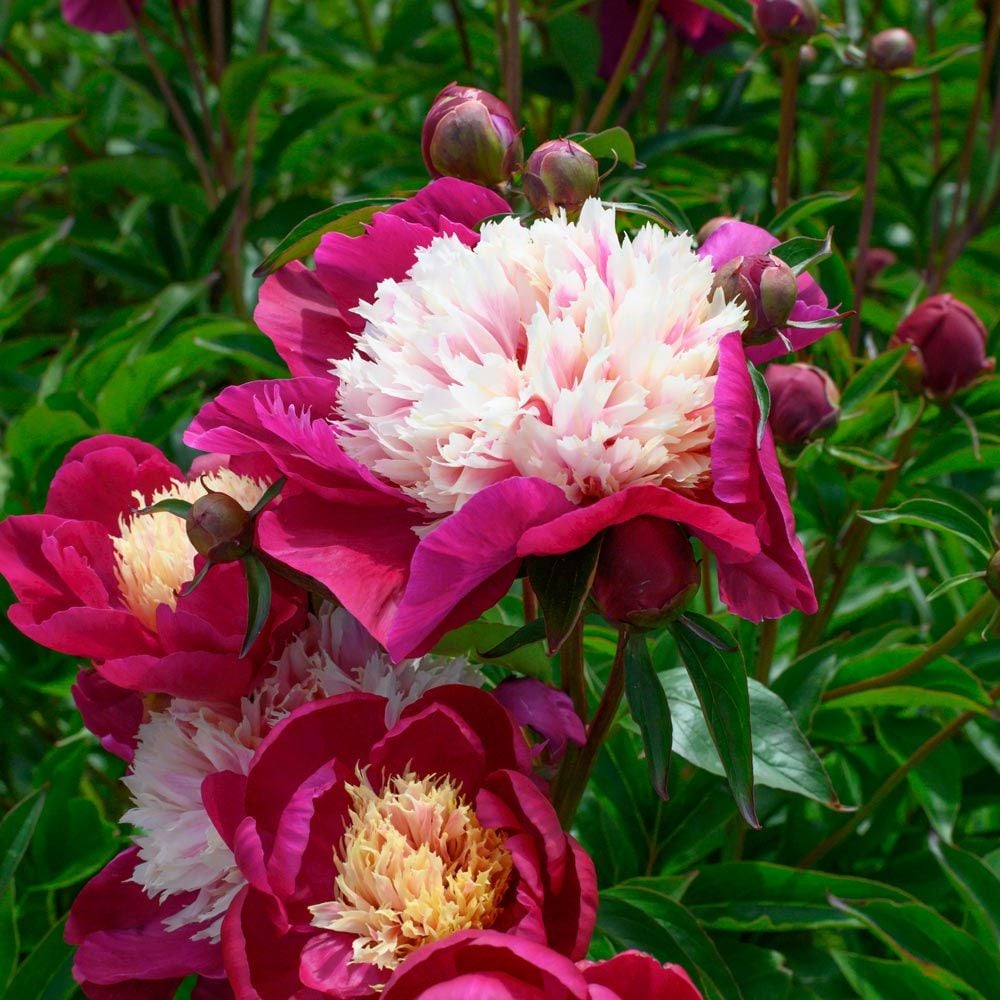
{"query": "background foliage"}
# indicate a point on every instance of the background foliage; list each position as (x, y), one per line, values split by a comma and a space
(126, 291)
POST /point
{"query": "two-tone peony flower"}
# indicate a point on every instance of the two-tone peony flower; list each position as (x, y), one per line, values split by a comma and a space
(512, 395)
(96, 580)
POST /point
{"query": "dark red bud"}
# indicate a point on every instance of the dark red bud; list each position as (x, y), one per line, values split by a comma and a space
(470, 134)
(875, 261)
(767, 286)
(948, 346)
(783, 22)
(560, 174)
(219, 528)
(646, 574)
(891, 49)
(805, 403)
(716, 222)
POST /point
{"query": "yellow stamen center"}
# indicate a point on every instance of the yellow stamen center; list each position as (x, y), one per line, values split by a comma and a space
(415, 866)
(153, 557)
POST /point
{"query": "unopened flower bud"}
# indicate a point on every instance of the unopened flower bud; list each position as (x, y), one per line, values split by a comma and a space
(646, 573)
(804, 402)
(783, 22)
(470, 134)
(219, 528)
(891, 49)
(560, 174)
(948, 346)
(767, 286)
(874, 262)
(993, 575)
(716, 222)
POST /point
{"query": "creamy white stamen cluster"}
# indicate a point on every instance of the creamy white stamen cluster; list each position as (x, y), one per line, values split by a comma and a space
(179, 848)
(153, 556)
(557, 350)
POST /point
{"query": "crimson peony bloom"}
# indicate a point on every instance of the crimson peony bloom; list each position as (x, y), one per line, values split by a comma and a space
(512, 397)
(742, 239)
(93, 580)
(499, 967)
(363, 843)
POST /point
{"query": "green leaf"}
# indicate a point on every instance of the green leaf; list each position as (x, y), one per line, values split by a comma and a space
(807, 207)
(25, 264)
(46, 972)
(720, 682)
(879, 978)
(349, 218)
(258, 600)
(576, 47)
(10, 943)
(637, 916)
(516, 647)
(942, 951)
(759, 896)
(975, 882)
(936, 62)
(22, 137)
(648, 705)
(872, 376)
(268, 495)
(171, 505)
(802, 252)
(763, 394)
(938, 516)
(956, 581)
(732, 10)
(782, 757)
(16, 831)
(241, 84)
(609, 144)
(860, 458)
(561, 584)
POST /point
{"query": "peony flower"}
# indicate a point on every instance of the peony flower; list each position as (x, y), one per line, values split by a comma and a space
(191, 754)
(125, 950)
(94, 579)
(111, 713)
(364, 843)
(501, 967)
(516, 398)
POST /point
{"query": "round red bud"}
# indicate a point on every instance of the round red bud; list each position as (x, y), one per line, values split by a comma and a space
(805, 403)
(785, 22)
(894, 48)
(646, 574)
(470, 134)
(948, 346)
(875, 261)
(767, 286)
(219, 528)
(560, 174)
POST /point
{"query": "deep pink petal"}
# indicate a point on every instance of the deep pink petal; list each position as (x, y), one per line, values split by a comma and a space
(102, 16)
(223, 795)
(326, 966)
(545, 710)
(635, 976)
(111, 713)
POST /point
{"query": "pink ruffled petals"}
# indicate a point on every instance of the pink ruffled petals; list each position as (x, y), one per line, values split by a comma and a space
(748, 481)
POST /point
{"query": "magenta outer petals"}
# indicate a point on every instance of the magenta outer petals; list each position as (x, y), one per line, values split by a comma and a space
(468, 561)
(449, 200)
(635, 976)
(520, 967)
(303, 322)
(121, 940)
(544, 709)
(736, 239)
(748, 480)
(111, 713)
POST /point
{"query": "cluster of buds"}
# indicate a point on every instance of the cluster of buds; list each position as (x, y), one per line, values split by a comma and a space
(805, 403)
(785, 22)
(472, 135)
(646, 574)
(766, 286)
(947, 346)
(892, 49)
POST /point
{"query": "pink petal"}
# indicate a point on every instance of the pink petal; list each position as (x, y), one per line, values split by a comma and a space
(102, 16)
(111, 713)
(635, 976)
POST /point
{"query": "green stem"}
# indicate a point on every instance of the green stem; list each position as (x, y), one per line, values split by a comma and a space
(570, 783)
(512, 59)
(573, 670)
(463, 32)
(786, 128)
(980, 610)
(367, 25)
(625, 62)
(890, 784)
(868, 205)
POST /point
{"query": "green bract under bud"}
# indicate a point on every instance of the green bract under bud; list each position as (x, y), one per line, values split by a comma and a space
(891, 49)
(560, 174)
(219, 528)
(785, 22)
(470, 134)
(767, 286)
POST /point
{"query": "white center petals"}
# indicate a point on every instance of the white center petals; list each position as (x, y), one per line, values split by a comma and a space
(558, 350)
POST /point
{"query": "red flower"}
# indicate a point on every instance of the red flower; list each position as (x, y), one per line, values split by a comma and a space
(496, 966)
(94, 581)
(348, 833)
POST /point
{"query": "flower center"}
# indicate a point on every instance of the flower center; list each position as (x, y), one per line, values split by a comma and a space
(415, 866)
(557, 350)
(153, 557)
